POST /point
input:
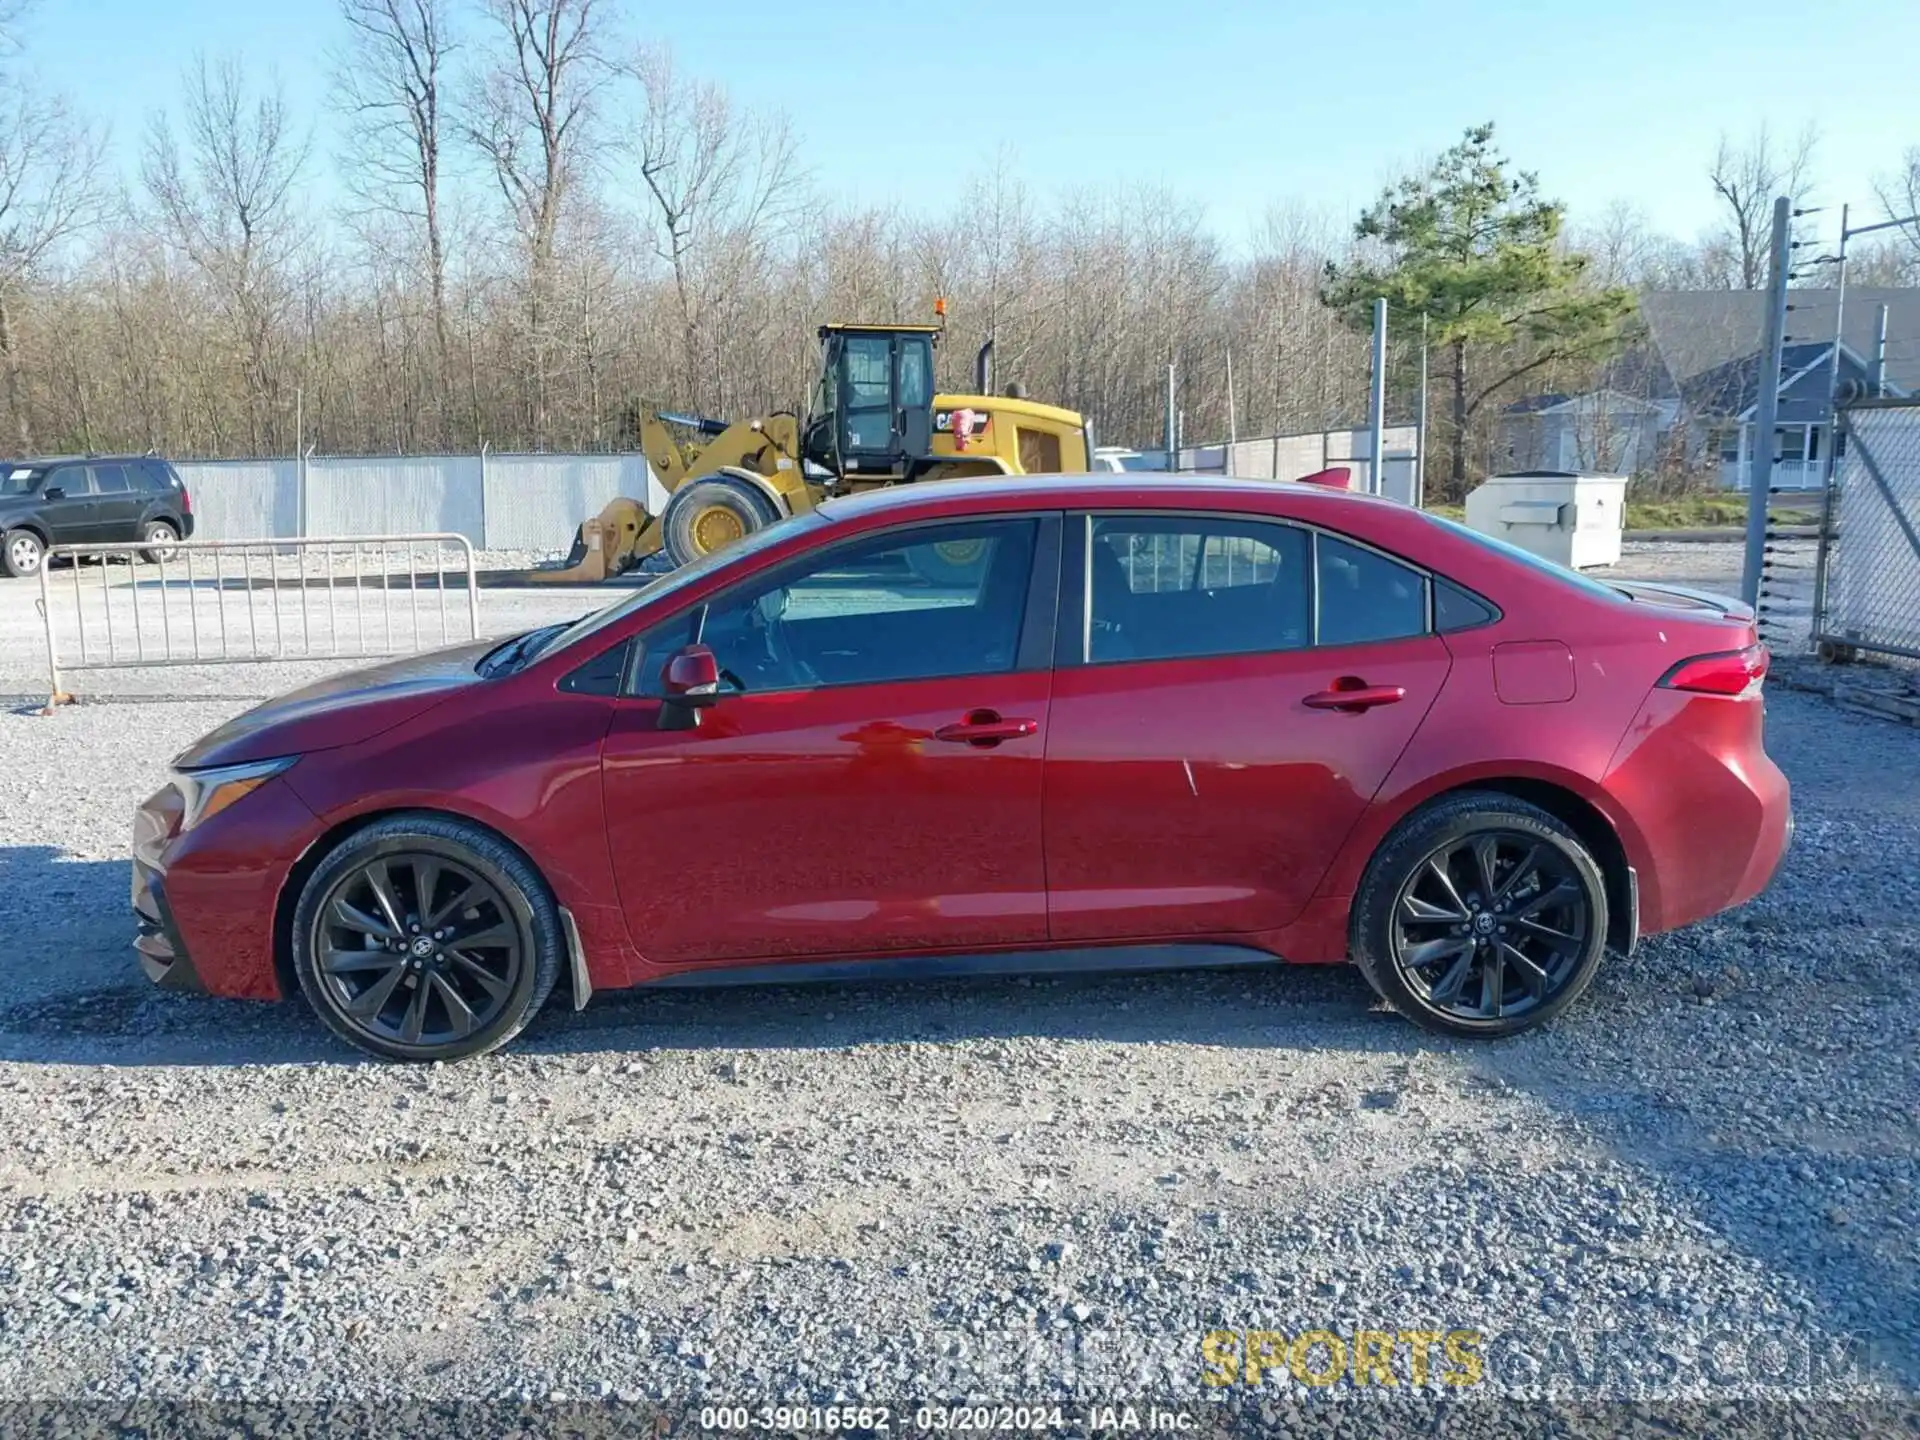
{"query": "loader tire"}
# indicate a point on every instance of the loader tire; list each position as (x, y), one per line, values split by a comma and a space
(711, 514)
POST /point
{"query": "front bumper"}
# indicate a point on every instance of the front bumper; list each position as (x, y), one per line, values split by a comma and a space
(157, 943)
(163, 955)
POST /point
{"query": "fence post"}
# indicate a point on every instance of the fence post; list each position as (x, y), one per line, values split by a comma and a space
(1767, 415)
(485, 538)
(1377, 403)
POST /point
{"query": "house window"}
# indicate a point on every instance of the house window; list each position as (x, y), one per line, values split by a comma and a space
(1790, 445)
(1730, 446)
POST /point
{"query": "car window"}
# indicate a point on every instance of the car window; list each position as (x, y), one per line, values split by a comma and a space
(70, 478)
(1365, 596)
(110, 480)
(1457, 608)
(1166, 587)
(19, 480)
(150, 475)
(933, 601)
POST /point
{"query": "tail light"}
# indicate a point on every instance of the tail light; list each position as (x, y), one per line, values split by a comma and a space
(1729, 672)
(186, 501)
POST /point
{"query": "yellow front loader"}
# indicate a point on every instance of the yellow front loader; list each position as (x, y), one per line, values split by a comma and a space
(874, 420)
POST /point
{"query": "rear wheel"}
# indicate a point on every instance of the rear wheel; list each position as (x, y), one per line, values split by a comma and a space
(1482, 916)
(160, 537)
(711, 514)
(422, 937)
(21, 553)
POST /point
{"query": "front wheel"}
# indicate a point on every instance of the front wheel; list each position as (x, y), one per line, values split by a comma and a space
(21, 553)
(711, 514)
(423, 937)
(1481, 916)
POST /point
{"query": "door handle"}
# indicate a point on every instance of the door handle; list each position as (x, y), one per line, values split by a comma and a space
(1352, 694)
(985, 728)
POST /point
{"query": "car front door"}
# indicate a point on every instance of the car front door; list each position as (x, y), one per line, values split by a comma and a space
(869, 779)
(118, 505)
(1237, 690)
(71, 508)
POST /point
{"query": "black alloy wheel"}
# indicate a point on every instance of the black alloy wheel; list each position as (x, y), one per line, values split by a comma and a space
(424, 937)
(1492, 926)
(1481, 915)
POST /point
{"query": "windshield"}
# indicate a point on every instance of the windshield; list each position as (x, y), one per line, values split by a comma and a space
(19, 482)
(1529, 559)
(679, 579)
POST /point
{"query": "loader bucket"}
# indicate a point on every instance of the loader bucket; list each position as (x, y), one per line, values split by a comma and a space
(613, 541)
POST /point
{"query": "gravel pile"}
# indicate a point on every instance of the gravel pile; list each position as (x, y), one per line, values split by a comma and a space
(1697, 1190)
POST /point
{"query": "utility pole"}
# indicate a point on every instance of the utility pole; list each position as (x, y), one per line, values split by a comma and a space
(1173, 425)
(1377, 405)
(1767, 415)
(1880, 354)
(1420, 442)
(1233, 428)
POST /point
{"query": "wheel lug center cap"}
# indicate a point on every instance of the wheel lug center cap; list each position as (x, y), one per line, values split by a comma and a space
(422, 946)
(1483, 923)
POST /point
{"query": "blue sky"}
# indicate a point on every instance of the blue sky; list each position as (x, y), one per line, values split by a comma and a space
(1235, 105)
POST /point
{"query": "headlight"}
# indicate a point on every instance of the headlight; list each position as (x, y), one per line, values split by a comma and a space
(208, 792)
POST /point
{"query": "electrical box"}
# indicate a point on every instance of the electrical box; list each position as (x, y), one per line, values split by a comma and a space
(1572, 520)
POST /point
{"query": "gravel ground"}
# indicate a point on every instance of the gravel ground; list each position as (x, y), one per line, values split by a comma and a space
(1698, 1189)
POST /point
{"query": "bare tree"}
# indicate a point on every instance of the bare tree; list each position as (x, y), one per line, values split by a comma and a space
(50, 192)
(389, 80)
(1748, 178)
(1899, 196)
(722, 182)
(226, 198)
(535, 104)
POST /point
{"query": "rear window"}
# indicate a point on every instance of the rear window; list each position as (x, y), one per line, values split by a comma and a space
(1533, 562)
(19, 480)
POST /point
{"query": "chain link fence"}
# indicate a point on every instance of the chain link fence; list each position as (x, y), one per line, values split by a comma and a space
(1867, 586)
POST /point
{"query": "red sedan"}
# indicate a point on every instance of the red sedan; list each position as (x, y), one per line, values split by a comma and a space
(981, 727)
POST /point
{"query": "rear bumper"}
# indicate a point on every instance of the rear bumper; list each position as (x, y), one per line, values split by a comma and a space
(1712, 815)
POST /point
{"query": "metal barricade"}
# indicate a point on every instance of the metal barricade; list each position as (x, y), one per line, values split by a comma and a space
(229, 602)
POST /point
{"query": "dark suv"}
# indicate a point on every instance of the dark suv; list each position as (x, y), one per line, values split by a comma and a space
(93, 499)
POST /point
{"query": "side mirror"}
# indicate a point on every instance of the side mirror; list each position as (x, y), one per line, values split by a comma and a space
(54, 492)
(691, 683)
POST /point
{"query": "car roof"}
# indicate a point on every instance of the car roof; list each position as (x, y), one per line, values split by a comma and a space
(1104, 490)
(36, 461)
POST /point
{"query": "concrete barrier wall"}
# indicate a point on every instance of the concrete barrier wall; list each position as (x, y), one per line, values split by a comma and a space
(499, 502)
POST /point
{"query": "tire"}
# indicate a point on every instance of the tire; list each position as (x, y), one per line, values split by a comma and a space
(711, 514)
(22, 553)
(512, 917)
(161, 536)
(950, 562)
(1434, 968)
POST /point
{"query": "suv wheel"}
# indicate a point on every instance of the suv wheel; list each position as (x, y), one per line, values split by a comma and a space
(160, 538)
(21, 553)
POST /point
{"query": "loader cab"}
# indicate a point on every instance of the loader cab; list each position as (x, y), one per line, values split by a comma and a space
(872, 411)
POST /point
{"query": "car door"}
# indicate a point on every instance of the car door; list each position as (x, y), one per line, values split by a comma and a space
(869, 780)
(1237, 690)
(73, 513)
(118, 504)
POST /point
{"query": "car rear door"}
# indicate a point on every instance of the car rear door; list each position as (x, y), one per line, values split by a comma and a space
(119, 503)
(1234, 693)
(870, 778)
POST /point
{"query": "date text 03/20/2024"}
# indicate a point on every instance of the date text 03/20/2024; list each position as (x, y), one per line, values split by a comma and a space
(942, 1419)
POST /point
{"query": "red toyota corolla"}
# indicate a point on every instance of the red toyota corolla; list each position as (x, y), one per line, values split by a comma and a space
(980, 727)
